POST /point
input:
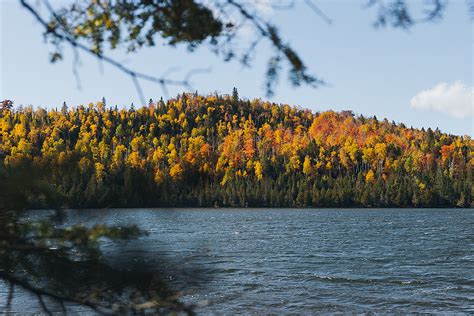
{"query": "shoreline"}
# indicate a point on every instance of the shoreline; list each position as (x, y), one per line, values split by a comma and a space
(197, 208)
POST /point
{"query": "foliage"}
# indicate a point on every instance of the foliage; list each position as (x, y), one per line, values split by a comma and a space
(61, 264)
(98, 26)
(216, 150)
(6, 105)
(94, 25)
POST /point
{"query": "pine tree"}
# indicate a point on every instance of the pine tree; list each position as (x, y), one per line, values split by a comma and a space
(235, 95)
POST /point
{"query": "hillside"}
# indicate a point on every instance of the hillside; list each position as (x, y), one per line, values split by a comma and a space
(221, 151)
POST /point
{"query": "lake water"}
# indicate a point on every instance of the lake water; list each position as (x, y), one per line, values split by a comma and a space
(261, 261)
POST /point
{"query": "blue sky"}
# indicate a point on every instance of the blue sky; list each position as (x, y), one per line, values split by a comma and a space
(421, 77)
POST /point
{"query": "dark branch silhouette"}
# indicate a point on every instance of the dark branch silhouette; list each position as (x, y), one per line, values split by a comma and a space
(68, 26)
(60, 265)
(131, 25)
(135, 75)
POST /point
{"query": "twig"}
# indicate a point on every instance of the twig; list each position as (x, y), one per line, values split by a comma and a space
(11, 290)
(43, 305)
(135, 75)
(318, 11)
(38, 291)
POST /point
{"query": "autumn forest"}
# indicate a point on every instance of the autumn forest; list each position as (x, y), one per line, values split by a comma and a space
(223, 151)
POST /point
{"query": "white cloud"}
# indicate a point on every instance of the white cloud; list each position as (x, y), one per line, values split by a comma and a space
(455, 99)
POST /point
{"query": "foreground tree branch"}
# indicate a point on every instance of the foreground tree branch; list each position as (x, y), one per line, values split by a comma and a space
(87, 26)
(60, 266)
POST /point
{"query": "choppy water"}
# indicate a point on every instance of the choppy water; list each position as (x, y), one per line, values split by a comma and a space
(262, 261)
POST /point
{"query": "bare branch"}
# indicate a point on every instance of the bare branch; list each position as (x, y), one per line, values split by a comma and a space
(38, 291)
(43, 305)
(194, 72)
(298, 73)
(135, 75)
(318, 11)
(246, 56)
(11, 290)
(139, 88)
(75, 65)
(470, 5)
(396, 13)
(285, 6)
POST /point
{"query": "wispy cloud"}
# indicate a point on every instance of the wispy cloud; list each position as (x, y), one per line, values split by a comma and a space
(454, 99)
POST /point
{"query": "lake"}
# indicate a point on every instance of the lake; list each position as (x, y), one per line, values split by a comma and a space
(262, 261)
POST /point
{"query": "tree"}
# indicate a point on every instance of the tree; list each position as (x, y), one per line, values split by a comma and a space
(38, 257)
(194, 142)
(88, 25)
(307, 166)
(6, 104)
(64, 108)
(176, 171)
(369, 178)
(258, 170)
(235, 95)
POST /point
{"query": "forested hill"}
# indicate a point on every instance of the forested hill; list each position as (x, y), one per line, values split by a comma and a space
(221, 151)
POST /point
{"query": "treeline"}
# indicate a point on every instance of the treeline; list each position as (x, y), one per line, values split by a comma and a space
(223, 151)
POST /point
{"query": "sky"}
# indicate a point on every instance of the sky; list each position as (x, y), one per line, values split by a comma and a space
(422, 77)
